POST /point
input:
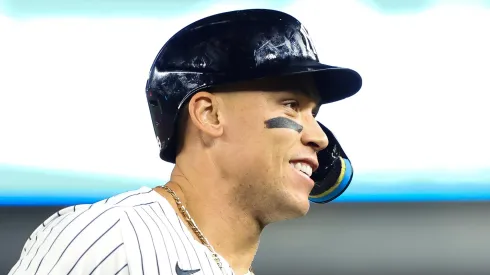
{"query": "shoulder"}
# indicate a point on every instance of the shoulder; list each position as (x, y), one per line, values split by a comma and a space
(102, 238)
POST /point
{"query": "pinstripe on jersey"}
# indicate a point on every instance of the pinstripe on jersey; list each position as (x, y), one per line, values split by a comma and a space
(136, 232)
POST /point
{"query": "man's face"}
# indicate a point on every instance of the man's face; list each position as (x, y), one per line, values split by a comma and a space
(270, 143)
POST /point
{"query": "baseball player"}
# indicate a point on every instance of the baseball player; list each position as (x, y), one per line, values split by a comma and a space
(233, 99)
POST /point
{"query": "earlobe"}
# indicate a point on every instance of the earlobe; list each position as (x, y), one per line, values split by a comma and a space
(204, 113)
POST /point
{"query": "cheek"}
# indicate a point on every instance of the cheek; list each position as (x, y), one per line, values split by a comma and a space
(283, 141)
(272, 152)
(245, 145)
(256, 148)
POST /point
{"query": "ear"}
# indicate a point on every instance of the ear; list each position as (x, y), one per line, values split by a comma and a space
(204, 113)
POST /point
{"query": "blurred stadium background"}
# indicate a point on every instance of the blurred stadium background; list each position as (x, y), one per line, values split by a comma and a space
(75, 126)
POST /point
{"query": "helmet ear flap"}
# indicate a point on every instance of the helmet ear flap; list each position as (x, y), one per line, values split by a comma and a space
(163, 125)
(334, 173)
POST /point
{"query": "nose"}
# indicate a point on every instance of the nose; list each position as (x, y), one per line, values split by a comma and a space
(313, 135)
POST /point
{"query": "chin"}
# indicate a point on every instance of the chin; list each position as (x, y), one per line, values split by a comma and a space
(292, 201)
(303, 207)
(299, 196)
(298, 207)
(287, 206)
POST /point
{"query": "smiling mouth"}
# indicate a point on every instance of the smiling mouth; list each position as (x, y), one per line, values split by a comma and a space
(303, 167)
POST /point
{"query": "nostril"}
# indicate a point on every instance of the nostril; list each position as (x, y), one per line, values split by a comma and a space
(314, 145)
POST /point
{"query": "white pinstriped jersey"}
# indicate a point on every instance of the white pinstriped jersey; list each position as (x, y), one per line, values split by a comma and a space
(136, 232)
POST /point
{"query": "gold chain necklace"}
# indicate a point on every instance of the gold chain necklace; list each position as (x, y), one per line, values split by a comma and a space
(196, 230)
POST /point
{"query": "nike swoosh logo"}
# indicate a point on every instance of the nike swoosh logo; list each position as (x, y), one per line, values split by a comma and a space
(180, 271)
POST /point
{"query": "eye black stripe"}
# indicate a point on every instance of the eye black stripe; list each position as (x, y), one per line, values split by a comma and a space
(283, 122)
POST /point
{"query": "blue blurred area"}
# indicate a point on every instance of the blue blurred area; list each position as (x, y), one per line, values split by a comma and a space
(105, 8)
(169, 8)
(114, 8)
(22, 186)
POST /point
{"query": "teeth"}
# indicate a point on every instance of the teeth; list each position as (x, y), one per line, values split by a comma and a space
(303, 167)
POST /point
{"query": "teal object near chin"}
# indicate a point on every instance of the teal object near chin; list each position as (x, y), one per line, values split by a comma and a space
(342, 183)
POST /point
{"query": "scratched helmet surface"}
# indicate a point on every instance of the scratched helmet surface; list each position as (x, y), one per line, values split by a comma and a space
(239, 46)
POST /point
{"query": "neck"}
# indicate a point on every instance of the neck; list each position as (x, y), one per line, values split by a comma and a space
(229, 228)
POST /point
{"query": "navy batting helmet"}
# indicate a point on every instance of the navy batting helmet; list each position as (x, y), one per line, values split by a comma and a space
(240, 46)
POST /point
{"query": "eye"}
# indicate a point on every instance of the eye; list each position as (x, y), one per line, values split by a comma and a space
(292, 104)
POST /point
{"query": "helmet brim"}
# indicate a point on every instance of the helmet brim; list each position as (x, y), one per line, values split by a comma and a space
(333, 83)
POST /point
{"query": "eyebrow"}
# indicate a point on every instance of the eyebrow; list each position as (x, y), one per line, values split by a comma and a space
(314, 96)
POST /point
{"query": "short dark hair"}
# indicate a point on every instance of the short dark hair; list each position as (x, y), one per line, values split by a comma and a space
(181, 127)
